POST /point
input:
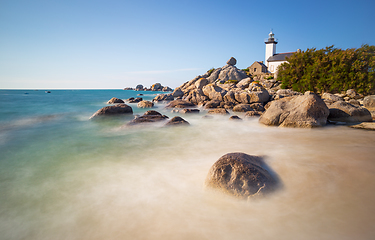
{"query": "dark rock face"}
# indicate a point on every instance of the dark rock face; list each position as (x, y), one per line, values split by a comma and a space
(148, 117)
(135, 100)
(179, 104)
(115, 100)
(139, 87)
(177, 121)
(345, 112)
(117, 109)
(241, 175)
(234, 117)
(306, 111)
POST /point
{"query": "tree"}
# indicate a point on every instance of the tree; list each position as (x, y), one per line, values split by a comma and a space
(330, 70)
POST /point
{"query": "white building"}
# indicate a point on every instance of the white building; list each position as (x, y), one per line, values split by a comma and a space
(273, 59)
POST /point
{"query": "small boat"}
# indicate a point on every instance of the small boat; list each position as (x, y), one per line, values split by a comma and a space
(47, 92)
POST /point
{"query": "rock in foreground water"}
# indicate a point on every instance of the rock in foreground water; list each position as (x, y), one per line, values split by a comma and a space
(113, 110)
(241, 175)
(115, 100)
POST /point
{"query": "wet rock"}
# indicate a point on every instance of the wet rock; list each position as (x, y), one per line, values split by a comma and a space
(189, 110)
(235, 117)
(179, 104)
(135, 100)
(250, 114)
(113, 110)
(218, 111)
(242, 108)
(148, 117)
(212, 104)
(177, 121)
(145, 104)
(115, 100)
(341, 111)
(242, 175)
(306, 111)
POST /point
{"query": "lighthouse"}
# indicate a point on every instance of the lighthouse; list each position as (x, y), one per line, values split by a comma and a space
(270, 47)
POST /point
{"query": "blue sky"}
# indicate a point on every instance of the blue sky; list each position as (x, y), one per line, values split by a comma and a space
(116, 44)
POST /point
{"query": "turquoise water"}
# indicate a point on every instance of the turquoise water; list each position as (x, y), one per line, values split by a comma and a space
(63, 176)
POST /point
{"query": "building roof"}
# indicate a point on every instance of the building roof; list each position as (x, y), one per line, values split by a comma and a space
(279, 57)
(259, 63)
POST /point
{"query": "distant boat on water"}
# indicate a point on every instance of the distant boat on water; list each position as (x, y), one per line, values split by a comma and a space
(47, 92)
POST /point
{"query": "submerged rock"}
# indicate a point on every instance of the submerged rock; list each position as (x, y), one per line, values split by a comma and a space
(177, 121)
(115, 100)
(148, 117)
(364, 125)
(241, 175)
(189, 110)
(114, 110)
(218, 111)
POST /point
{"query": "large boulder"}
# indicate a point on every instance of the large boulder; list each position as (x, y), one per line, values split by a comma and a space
(196, 96)
(306, 111)
(200, 83)
(244, 83)
(214, 92)
(113, 110)
(115, 100)
(241, 175)
(139, 87)
(246, 97)
(232, 61)
(156, 87)
(342, 111)
(145, 104)
(179, 104)
(281, 93)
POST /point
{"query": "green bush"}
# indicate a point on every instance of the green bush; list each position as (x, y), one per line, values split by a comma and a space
(269, 78)
(231, 81)
(210, 71)
(330, 70)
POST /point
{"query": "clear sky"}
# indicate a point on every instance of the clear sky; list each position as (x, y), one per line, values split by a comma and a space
(47, 44)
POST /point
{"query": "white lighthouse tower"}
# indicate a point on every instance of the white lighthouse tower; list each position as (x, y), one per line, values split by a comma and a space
(270, 46)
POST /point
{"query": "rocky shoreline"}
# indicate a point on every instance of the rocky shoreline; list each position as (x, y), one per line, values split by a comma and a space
(228, 90)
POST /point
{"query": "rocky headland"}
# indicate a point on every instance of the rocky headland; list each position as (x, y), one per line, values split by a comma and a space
(154, 87)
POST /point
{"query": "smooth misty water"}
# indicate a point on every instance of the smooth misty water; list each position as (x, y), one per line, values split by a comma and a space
(63, 176)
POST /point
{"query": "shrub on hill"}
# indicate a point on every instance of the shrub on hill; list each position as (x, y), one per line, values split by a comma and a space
(330, 70)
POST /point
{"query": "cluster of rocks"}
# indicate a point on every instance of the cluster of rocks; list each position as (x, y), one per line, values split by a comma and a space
(229, 88)
(150, 116)
(155, 87)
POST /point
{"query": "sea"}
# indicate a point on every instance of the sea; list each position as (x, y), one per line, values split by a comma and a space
(64, 176)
